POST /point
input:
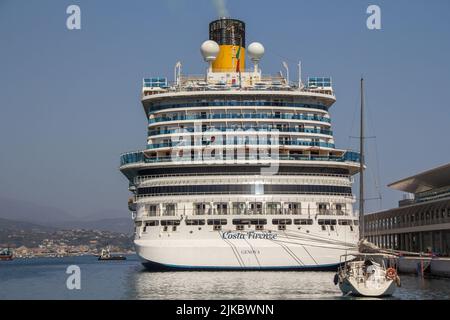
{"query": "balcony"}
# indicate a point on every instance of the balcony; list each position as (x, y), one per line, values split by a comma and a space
(243, 116)
(139, 157)
(247, 142)
(241, 130)
(236, 103)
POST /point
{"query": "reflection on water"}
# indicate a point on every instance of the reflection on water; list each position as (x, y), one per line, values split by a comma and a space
(234, 285)
(264, 285)
(46, 279)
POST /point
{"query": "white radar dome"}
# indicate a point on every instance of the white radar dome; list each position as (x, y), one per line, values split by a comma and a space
(255, 51)
(210, 50)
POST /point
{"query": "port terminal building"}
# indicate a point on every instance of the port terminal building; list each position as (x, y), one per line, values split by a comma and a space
(421, 223)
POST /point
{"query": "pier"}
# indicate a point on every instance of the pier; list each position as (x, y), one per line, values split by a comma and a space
(420, 224)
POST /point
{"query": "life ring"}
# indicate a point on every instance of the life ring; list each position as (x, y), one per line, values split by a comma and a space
(391, 274)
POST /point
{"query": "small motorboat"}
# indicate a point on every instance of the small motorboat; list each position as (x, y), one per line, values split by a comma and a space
(105, 255)
(367, 275)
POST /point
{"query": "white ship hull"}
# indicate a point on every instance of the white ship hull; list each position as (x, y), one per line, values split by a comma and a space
(217, 253)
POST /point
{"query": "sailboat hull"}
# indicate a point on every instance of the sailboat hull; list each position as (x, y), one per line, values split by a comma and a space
(351, 287)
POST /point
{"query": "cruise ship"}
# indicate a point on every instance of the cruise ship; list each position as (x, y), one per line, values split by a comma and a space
(240, 170)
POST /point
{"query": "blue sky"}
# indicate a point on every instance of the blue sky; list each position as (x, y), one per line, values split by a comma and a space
(70, 99)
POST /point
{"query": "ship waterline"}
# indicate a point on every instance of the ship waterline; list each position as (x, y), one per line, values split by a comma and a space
(240, 171)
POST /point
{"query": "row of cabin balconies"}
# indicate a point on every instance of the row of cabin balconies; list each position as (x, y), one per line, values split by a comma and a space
(243, 208)
(239, 129)
(234, 104)
(202, 116)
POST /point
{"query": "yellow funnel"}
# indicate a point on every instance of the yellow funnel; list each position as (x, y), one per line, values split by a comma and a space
(230, 35)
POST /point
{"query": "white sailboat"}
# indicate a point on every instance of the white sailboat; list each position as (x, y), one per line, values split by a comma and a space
(367, 274)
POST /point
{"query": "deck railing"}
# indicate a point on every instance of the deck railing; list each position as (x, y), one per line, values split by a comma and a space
(140, 157)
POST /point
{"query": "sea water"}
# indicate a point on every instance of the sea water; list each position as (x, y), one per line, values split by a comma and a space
(46, 278)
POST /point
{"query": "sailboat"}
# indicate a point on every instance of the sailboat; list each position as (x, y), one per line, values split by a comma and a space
(367, 274)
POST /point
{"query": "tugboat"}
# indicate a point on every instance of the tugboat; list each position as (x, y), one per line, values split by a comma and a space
(106, 255)
(6, 255)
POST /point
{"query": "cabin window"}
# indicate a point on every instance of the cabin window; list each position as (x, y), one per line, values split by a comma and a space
(152, 223)
(340, 209)
(200, 208)
(294, 208)
(217, 222)
(303, 221)
(273, 208)
(222, 208)
(169, 209)
(327, 222)
(256, 207)
(249, 221)
(282, 227)
(153, 209)
(170, 222)
(195, 222)
(323, 208)
(239, 207)
(281, 221)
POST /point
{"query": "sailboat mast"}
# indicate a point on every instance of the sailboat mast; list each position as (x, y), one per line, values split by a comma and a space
(361, 166)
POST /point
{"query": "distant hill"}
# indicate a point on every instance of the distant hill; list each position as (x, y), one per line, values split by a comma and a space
(122, 225)
(107, 214)
(6, 224)
(30, 212)
(15, 213)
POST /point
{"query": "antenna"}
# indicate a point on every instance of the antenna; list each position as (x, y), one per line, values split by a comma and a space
(361, 166)
(285, 65)
(177, 73)
(299, 75)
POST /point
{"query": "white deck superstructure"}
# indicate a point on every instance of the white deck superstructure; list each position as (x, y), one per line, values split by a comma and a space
(240, 172)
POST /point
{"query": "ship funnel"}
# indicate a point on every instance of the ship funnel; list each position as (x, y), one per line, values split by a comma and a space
(229, 34)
